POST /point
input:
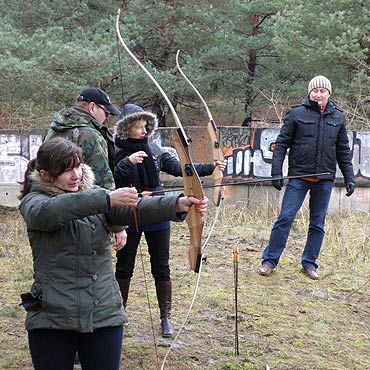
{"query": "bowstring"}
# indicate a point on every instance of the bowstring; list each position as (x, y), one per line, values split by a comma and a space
(146, 288)
(179, 332)
(196, 286)
(215, 219)
(197, 280)
(149, 306)
(120, 70)
(120, 61)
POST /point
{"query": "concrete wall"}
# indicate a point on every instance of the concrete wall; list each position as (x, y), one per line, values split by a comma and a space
(248, 153)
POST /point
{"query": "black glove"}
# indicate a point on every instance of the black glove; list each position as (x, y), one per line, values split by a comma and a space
(350, 186)
(277, 184)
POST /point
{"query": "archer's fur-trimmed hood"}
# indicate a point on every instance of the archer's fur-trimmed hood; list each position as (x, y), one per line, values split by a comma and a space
(131, 113)
(87, 182)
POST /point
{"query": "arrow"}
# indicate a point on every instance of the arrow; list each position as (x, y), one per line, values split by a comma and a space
(147, 193)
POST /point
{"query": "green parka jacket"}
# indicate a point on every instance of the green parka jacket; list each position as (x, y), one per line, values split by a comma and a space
(69, 236)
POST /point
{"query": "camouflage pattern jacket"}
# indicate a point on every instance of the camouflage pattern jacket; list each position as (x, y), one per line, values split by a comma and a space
(95, 141)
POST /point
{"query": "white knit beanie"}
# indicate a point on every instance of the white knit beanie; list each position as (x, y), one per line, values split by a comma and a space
(319, 81)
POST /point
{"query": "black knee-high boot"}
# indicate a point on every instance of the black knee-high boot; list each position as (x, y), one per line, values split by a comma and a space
(124, 287)
(164, 296)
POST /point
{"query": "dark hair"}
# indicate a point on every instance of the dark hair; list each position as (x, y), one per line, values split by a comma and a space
(54, 156)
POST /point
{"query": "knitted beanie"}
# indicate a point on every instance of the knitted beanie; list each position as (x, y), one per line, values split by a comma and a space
(319, 81)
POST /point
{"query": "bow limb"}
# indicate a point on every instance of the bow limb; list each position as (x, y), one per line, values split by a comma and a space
(218, 155)
(213, 132)
(192, 186)
(192, 183)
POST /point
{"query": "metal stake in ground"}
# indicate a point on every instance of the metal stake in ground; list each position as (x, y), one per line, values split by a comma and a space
(235, 264)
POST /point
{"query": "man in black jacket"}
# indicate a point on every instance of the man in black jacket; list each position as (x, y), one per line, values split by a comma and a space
(316, 136)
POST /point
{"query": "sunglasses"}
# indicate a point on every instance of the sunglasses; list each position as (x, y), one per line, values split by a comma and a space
(104, 109)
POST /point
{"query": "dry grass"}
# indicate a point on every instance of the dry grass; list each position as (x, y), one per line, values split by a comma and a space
(285, 321)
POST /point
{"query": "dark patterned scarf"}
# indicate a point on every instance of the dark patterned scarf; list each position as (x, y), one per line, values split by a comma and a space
(147, 170)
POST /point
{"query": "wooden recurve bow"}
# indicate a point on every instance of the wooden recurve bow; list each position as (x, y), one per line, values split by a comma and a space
(192, 183)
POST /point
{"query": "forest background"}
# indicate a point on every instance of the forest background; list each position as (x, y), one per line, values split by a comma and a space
(251, 60)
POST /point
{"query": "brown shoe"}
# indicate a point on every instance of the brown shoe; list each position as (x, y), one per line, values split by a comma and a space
(265, 270)
(311, 273)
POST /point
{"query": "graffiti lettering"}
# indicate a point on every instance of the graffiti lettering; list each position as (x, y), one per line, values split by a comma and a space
(248, 151)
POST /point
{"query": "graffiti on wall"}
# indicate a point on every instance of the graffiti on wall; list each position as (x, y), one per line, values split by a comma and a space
(15, 152)
(250, 155)
(248, 151)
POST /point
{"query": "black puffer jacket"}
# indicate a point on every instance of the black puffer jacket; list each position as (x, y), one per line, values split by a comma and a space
(316, 142)
(126, 173)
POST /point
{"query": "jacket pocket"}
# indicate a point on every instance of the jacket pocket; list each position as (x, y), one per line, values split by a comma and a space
(332, 129)
(32, 300)
(306, 127)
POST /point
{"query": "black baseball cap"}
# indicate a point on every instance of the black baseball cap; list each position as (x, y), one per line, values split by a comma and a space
(98, 96)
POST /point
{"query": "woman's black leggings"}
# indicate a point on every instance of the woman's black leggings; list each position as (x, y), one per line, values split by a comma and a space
(158, 248)
(56, 349)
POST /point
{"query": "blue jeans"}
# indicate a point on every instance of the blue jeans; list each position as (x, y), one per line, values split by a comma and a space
(294, 196)
(56, 349)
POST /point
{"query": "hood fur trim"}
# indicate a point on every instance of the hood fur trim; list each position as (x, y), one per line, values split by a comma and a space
(87, 182)
(123, 125)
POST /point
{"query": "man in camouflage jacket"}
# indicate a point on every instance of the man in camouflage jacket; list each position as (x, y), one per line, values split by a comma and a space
(83, 125)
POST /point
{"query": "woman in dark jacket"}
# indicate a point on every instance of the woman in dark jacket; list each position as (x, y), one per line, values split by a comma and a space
(138, 163)
(75, 303)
